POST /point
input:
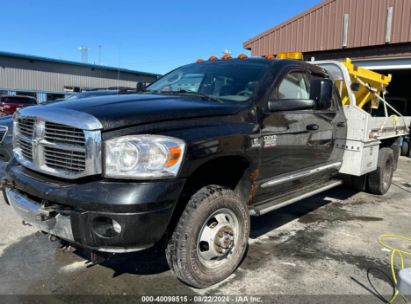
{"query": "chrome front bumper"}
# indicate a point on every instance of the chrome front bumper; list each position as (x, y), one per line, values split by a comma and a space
(40, 218)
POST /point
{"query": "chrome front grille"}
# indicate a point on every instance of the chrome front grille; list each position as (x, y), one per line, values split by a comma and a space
(25, 126)
(63, 156)
(56, 148)
(26, 149)
(63, 134)
(64, 159)
(3, 133)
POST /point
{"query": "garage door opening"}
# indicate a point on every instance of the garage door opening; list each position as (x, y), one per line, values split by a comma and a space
(399, 92)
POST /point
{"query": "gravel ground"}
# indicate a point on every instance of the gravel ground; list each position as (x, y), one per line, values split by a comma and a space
(309, 250)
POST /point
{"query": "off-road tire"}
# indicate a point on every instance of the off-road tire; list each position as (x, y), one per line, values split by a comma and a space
(379, 181)
(181, 252)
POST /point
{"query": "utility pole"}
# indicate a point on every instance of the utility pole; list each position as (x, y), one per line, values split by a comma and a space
(99, 54)
(84, 53)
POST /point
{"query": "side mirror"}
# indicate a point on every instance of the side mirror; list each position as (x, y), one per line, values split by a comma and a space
(321, 93)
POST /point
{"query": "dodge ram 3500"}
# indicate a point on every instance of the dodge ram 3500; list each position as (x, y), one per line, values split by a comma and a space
(191, 158)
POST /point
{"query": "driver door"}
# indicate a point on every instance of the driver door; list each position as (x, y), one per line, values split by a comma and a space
(293, 140)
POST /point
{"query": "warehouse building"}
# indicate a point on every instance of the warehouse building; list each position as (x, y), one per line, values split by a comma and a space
(48, 79)
(375, 33)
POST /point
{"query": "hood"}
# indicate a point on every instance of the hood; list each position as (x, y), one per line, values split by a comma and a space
(127, 110)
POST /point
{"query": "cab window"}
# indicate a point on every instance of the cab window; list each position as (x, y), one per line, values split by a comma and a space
(293, 86)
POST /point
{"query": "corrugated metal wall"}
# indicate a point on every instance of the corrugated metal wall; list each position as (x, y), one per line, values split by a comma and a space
(321, 27)
(21, 74)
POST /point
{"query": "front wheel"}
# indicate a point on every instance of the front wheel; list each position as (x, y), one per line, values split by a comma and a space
(211, 237)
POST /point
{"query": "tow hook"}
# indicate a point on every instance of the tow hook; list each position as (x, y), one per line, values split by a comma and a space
(46, 212)
(42, 217)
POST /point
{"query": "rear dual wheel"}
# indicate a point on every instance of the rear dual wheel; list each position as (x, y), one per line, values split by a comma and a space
(211, 237)
(379, 181)
(405, 148)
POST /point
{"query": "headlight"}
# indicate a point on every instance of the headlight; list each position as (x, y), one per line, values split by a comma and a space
(143, 156)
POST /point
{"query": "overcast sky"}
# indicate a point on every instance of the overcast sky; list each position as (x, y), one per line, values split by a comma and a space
(152, 36)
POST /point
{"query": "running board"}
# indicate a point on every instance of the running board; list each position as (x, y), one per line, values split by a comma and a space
(260, 210)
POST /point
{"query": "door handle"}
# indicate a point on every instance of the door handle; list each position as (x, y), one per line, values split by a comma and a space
(312, 127)
(341, 124)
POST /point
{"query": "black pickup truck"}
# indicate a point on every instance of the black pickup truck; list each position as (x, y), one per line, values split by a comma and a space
(185, 162)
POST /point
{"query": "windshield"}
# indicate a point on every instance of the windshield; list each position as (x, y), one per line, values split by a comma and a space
(232, 80)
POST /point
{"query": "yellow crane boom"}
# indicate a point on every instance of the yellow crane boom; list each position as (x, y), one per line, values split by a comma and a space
(375, 83)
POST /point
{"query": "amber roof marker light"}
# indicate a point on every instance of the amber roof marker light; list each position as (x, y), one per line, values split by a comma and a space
(269, 56)
(226, 57)
(290, 55)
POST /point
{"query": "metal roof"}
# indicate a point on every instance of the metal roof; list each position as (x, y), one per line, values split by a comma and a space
(338, 24)
(74, 63)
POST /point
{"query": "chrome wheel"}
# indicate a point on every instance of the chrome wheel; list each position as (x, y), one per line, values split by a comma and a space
(210, 238)
(218, 238)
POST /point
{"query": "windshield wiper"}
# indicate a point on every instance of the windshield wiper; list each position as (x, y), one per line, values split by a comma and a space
(183, 91)
(204, 96)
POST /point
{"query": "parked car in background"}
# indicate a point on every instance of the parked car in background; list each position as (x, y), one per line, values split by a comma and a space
(9, 104)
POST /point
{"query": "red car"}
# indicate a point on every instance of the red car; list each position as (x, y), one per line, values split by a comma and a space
(9, 104)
